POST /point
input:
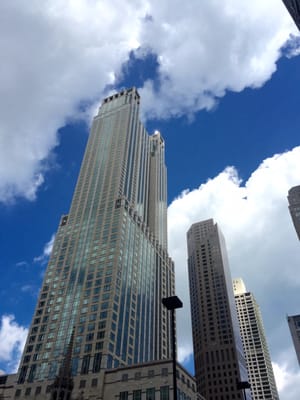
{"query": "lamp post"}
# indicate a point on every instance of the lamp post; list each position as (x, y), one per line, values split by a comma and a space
(172, 303)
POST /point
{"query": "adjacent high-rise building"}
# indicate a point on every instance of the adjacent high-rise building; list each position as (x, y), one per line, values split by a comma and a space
(218, 349)
(294, 325)
(258, 360)
(293, 7)
(294, 207)
(109, 267)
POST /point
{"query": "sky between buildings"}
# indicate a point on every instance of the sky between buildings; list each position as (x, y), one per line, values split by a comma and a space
(219, 79)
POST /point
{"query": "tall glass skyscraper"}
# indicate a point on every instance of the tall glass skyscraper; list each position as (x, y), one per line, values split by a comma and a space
(109, 267)
(218, 350)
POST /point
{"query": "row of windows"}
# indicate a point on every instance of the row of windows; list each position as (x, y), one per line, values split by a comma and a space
(151, 373)
(38, 389)
(150, 394)
(163, 372)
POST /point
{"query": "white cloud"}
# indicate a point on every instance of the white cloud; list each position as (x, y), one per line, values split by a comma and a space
(287, 376)
(261, 241)
(12, 341)
(206, 48)
(43, 258)
(22, 264)
(57, 55)
(54, 55)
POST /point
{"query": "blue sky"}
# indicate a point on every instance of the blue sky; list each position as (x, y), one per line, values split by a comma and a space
(220, 83)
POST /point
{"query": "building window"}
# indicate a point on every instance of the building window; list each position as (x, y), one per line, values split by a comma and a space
(164, 393)
(94, 382)
(150, 394)
(22, 375)
(125, 377)
(89, 337)
(99, 345)
(100, 335)
(97, 362)
(137, 375)
(38, 390)
(18, 393)
(123, 395)
(87, 348)
(29, 349)
(164, 372)
(82, 384)
(85, 364)
(137, 395)
(27, 391)
(32, 373)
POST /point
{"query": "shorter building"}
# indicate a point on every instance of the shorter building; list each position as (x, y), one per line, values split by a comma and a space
(218, 350)
(294, 207)
(7, 386)
(293, 7)
(294, 325)
(259, 365)
(148, 381)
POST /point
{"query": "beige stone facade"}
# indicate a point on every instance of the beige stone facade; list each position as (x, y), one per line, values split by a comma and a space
(259, 365)
(149, 381)
(218, 350)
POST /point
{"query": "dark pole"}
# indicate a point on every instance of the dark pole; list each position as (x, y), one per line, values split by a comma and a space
(172, 303)
(174, 353)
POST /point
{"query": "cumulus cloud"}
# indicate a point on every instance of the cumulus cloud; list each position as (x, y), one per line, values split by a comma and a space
(262, 244)
(206, 48)
(54, 56)
(57, 58)
(287, 376)
(12, 341)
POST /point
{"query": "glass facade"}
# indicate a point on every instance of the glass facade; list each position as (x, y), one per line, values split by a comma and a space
(109, 267)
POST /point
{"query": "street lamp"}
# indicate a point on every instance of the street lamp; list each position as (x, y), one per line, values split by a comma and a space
(172, 303)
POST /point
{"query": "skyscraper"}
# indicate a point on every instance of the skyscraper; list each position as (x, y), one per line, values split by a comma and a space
(294, 207)
(294, 325)
(293, 7)
(109, 267)
(259, 365)
(218, 350)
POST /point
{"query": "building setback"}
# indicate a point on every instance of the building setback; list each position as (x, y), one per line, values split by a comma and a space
(259, 365)
(294, 207)
(218, 350)
(109, 267)
(294, 325)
